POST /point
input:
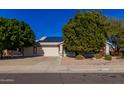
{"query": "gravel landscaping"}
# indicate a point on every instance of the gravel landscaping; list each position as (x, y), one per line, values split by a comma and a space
(92, 61)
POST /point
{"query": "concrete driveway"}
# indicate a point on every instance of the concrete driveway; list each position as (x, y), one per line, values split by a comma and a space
(28, 65)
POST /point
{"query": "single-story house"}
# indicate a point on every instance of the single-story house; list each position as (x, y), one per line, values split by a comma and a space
(46, 46)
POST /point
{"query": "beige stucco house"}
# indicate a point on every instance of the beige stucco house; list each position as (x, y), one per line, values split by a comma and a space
(46, 46)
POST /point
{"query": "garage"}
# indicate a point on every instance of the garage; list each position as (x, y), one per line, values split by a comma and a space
(51, 50)
(50, 46)
(46, 46)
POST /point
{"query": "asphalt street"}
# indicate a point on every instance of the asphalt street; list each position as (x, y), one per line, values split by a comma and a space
(62, 78)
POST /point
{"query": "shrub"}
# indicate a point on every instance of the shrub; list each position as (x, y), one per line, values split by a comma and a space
(98, 56)
(108, 57)
(79, 57)
(122, 54)
(88, 55)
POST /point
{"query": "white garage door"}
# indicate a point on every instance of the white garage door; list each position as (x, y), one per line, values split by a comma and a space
(51, 50)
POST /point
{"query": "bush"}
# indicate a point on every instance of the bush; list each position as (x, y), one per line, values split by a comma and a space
(79, 57)
(88, 55)
(122, 54)
(98, 56)
(108, 57)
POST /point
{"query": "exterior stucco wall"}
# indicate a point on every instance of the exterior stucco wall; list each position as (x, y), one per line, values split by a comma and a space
(40, 51)
(28, 51)
(47, 49)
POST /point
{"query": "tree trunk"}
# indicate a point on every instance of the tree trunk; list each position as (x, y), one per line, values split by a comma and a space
(22, 51)
(118, 50)
(11, 53)
(76, 53)
(122, 54)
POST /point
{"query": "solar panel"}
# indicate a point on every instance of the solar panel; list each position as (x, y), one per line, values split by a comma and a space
(52, 39)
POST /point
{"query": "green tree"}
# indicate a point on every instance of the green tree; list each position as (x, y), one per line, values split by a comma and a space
(117, 28)
(120, 41)
(2, 35)
(121, 38)
(115, 25)
(15, 34)
(86, 32)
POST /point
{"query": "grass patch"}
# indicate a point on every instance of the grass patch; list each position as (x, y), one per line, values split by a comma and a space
(98, 56)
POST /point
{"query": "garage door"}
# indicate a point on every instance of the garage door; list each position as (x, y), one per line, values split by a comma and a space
(51, 50)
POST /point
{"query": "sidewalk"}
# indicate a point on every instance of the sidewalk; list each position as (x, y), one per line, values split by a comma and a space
(56, 65)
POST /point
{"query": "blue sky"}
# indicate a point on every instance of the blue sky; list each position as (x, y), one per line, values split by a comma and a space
(49, 22)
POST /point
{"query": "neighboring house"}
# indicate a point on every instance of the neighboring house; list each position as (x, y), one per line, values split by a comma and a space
(46, 46)
(16, 52)
(111, 45)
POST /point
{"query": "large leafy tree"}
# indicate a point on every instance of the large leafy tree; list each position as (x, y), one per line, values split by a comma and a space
(15, 34)
(86, 32)
(3, 22)
(117, 26)
(117, 29)
(120, 41)
(121, 38)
